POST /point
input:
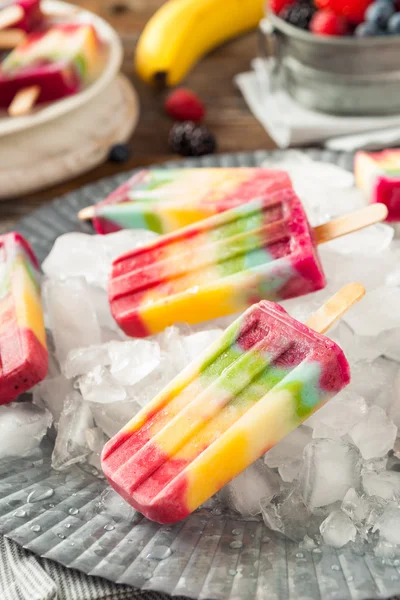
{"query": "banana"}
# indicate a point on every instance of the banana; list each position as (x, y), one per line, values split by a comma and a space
(182, 31)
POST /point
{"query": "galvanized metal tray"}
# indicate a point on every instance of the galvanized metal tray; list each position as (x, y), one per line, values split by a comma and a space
(210, 554)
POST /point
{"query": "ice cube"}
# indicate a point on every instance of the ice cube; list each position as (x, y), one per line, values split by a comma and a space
(145, 390)
(290, 471)
(116, 244)
(53, 392)
(389, 525)
(112, 505)
(196, 343)
(133, 361)
(394, 410)
(375, 434)
(22, 427)
(286, 513)
(75, 255)
(71, 314)
(370, 240)
(82, 360)
(113, 416)
(384, 485)
(338, 530)
(289, 448)
(171, 344)
(355, 506)
(71, 444)
(243, 494)
(101, 305)
(374, 381)
(90, 256)
(100, 386)
(330, 469)
(338, 416)
(368, 318)
(95, 439)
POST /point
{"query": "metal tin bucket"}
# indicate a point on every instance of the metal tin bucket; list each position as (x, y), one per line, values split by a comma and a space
(339, 75)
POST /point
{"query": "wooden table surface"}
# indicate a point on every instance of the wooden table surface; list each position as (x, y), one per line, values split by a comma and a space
(212, 78)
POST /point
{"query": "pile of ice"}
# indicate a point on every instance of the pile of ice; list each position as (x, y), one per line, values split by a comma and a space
(336, 478)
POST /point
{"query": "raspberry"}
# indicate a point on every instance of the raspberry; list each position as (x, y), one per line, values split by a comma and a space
(326, 22)
(353, 10)
(184, 105)
(189, 139)
(278, 5)
(299, 14)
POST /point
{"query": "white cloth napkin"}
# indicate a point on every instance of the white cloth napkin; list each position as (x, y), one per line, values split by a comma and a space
(290, 124)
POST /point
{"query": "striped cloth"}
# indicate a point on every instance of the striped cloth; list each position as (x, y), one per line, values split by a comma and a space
(24, 576)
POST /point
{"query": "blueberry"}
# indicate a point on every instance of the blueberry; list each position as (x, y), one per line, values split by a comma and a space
(119, 153)
(368, 30)
(380, 13)
(394, 24)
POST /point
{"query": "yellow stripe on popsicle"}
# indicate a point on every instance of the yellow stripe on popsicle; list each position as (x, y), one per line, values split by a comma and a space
(29, 313)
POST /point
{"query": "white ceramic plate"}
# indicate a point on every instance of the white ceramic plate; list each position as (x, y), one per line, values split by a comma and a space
(110, 69)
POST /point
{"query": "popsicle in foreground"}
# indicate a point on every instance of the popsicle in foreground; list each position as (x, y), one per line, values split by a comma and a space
(263, 377)
(378, 175)
(58, 62)
(262, 250)
(164, 200)
(23, 350)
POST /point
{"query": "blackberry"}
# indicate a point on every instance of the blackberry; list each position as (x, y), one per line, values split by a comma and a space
(299, 14)
(119, 153)
(189, 139)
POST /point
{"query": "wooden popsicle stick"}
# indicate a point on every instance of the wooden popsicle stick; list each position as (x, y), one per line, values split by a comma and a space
(11, 15)
(86, 214)
(369, 215)
(24, 101)
(335, 307)
(10, 38)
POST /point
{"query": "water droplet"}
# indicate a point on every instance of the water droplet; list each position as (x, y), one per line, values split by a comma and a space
(350, 578)
(36, 528)
(266, 540)
(396, 562)
(160, 553)
(236, 544)
(61, 536)
(232, 572)
(50, 505)
(335, 568)
(109, 527)
(299, 555)
(20, 513)
(41, 492)
(67, 525)
(236, 532)
(13, 502)
(317, 551)
(73, 511)
(74, 494)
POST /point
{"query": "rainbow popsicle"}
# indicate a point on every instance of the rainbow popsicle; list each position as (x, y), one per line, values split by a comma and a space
(253, 386)
(58, 61)
(260, 250)
(20, 14)
(23, 349)
(378, 175)
(164, 200)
